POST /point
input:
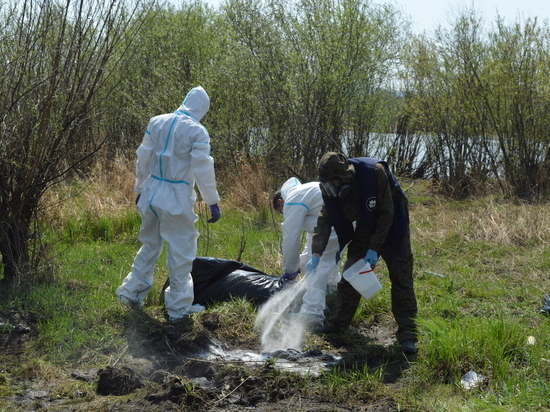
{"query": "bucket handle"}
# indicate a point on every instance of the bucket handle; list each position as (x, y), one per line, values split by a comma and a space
(366, 271)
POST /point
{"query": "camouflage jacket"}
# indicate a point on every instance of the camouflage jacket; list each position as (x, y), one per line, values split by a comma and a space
(349, 211)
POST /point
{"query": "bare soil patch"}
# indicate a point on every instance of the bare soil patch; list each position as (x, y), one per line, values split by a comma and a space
(187, 367)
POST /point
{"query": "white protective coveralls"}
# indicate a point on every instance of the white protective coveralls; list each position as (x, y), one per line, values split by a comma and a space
(302, 204)
(173, 156)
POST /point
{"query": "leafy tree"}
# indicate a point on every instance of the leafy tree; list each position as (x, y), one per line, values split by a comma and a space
(421, 85)
(173, 52)
(54, 79)
(517, 100)
(258, 91)
(461, 126)
(481, 102)
(319, 75)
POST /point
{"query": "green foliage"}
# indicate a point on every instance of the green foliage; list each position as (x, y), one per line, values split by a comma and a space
(82, 300)
(495, 347)
(171, 53)
(340, 384)
(90, 227)
(249, 235)
(481, 99)
(486, 346)
(288, 81)
(327, 63)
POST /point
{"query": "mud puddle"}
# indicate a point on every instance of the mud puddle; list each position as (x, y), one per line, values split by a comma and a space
(309, 363)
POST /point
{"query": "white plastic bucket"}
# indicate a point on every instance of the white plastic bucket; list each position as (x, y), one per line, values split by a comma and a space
(363, 279)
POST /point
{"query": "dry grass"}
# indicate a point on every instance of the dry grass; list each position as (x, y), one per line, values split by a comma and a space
(250, 185)
(233, 322)
(112, 183)
(510, 224)
(488, 219)
(108, 190)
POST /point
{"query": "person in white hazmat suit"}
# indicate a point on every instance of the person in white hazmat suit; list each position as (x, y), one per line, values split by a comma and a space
(173, 156)
(300, 205)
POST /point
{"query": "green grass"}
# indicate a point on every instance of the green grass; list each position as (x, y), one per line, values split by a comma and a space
(250, 236)
(341, 385)
(479, 292)
(79, 316)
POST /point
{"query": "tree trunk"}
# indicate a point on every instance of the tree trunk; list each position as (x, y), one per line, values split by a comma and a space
(14, 249)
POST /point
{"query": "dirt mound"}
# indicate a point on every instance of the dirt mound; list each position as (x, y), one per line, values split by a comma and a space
(16, 328)
(117, 381)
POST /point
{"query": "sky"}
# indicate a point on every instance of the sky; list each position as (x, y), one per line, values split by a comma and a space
(426, 15)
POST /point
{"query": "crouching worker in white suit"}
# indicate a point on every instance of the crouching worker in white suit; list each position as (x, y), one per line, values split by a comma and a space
(300, 205)
(173, 157)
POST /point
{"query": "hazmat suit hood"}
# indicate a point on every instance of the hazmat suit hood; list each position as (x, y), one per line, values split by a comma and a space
(288, 186)
(196, 103)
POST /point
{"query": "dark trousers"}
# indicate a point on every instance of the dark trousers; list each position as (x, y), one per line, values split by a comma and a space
(400, 267)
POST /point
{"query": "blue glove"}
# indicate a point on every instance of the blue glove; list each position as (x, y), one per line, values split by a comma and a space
(371, 258)
(291, 276)
(312, 265)
(215, 210)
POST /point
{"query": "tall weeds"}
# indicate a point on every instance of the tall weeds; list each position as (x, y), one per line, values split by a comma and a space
(98, 205)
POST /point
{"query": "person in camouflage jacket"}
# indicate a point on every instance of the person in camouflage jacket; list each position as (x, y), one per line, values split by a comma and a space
(369, 212)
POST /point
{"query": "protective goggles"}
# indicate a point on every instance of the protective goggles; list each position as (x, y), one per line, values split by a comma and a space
(334, 188)
(329, 188)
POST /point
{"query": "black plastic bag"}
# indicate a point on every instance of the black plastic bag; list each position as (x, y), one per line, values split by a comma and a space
(546, 308)
(220, 280)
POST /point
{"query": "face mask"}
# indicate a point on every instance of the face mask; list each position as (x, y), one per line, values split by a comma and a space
(344, 191)
(330, 189)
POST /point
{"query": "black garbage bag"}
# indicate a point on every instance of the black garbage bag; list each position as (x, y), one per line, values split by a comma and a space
(546, 308)
(220, 280)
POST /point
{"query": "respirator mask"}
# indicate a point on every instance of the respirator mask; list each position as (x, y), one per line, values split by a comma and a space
(334, 188)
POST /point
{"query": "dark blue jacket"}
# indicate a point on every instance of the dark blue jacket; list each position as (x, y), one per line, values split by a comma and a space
(365, 179)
